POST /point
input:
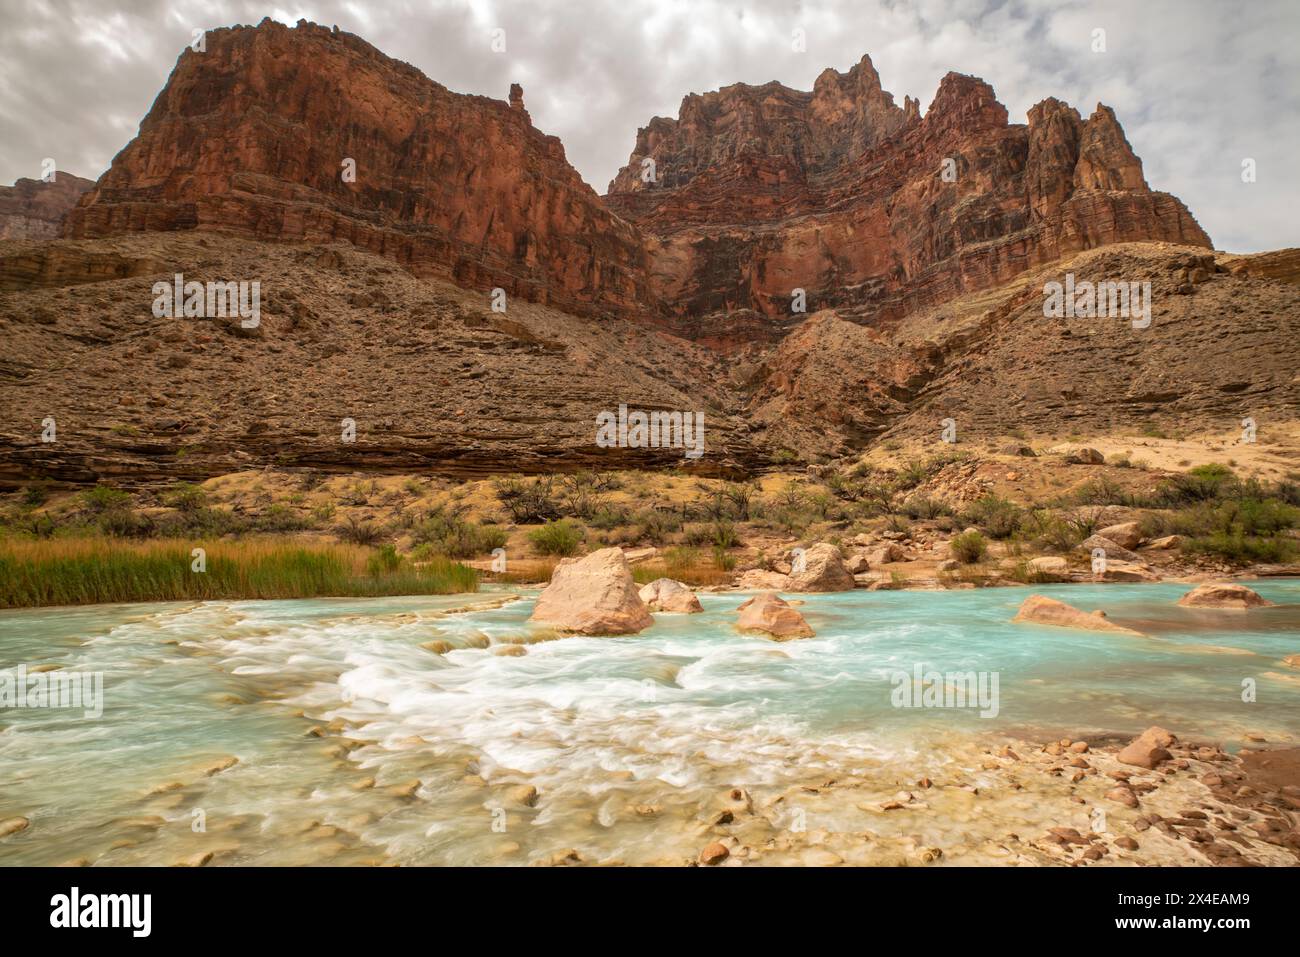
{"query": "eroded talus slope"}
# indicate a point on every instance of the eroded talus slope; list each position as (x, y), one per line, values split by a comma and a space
(1223, 344)
(434, 379)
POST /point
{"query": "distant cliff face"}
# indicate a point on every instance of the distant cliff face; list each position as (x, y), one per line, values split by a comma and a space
(252, 137)
(34, 209)
(754, 192)
(923, 246)
(719, 216)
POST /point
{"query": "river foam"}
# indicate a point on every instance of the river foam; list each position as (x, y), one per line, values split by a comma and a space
(382, 730)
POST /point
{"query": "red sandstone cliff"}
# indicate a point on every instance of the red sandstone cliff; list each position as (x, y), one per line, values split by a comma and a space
(757, 191)
(762, 190)
(34, 209)
(249, 137)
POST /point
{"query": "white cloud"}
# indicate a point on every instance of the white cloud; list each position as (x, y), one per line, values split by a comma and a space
(1196, 86)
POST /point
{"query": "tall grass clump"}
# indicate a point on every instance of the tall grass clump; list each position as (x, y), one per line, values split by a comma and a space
(91, 570)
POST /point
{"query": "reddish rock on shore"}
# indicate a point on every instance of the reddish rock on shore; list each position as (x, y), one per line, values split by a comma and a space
(1148, 749)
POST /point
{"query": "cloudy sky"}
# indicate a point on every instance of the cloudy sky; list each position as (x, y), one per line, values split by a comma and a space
(1198, 85)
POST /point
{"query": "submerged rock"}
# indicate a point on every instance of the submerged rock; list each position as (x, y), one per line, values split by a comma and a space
(593, 595)
(666, 594)
(1041, 610)
(1223, 595)
(771, 614)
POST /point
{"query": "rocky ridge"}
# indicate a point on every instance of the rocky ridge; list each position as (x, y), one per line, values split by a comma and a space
(869, 207)
(34, 209)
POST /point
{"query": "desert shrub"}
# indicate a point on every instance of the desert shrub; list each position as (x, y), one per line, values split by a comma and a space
(849, 487)
(1085, 521)
(186, 497)
(740, 497)
(1051, 532)
(1026, 574)
(1204, 483)
(922, 507)
(34, 496)
(102, 498)
(791, 497)
(125, 523)
(561, 538)
(825, 508)
(359, 493)
(969, 547)
(655, 526)
(1247, 517)
(1287, 491)
(724, 535)
(697, 535)
(580, 495)
(610, 517)
(358, 531)
(997, 516)
(897, 523)
(1101, 491)
(203, 522)
(1243, 549)
(448, 533)
(280, 518)
(528, 501)
(911, 474)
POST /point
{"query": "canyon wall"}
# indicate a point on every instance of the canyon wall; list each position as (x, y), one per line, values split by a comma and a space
(34, 209)
(867, 206)
(251, 136)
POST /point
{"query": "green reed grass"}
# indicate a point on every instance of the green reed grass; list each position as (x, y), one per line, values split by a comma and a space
(87, 571)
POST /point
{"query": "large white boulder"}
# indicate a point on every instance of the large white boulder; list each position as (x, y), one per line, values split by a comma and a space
(593, 595)
(666, 594)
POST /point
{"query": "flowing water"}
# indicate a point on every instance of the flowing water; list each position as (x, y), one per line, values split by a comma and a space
(355, 743)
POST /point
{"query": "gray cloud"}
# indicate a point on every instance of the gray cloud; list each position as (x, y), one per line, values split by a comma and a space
(1198, 85)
